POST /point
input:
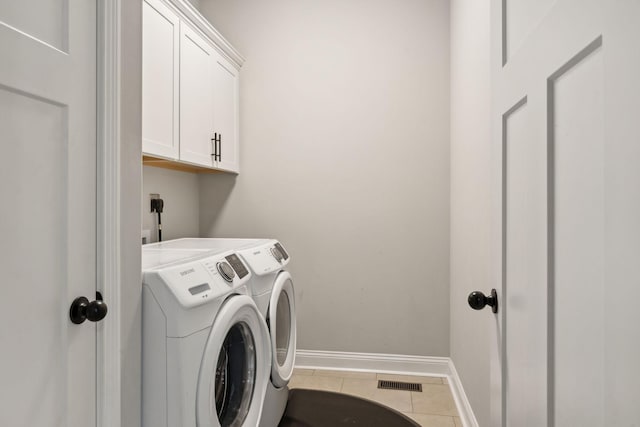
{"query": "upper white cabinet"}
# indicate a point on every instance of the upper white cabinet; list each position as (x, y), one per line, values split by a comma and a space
(196, 98)
(160, 68)
(190, 88)
(226, 113)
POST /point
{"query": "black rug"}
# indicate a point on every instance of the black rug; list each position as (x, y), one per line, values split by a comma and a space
(314, 408)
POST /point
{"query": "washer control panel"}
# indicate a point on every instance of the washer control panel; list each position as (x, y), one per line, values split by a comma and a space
(197, 282)
(237, 264)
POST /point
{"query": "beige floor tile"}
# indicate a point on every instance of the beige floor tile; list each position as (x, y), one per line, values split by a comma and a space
(302, 371)
(295, 381)
(434, 407)
(435, 400)
(346, 374)
(411, 378)
(398, 400)
(316, 382)
(431, 420)
(368, 389)
(360, 387)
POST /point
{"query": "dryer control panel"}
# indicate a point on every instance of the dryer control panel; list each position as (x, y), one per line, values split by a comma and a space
(197, 282)
(267, 258)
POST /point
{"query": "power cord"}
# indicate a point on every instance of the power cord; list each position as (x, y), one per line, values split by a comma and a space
(156, 206)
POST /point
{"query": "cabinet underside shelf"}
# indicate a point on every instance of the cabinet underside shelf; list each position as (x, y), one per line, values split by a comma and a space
(173, 165)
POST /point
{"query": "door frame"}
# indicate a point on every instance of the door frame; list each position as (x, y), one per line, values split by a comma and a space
(108, 339)
(498, 214)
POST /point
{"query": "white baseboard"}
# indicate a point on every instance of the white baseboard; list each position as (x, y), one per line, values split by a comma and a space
(371, 362)
(392, 364)
(464, 407)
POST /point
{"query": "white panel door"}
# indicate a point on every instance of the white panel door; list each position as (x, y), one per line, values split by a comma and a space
(160, 83)
(566, 112)
(196, 98)
(48, 226)
(225, 113)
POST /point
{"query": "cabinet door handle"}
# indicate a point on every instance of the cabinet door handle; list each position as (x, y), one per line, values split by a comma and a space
(220, 147)
(214, 141)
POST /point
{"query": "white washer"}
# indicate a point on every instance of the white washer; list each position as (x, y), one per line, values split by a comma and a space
(205, 346)
(271, 287)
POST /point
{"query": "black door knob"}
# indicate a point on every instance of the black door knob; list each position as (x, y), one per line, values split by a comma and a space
(81, 309)
(477, 300)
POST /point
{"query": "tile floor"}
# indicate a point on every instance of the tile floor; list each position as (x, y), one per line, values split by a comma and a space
(433, 407)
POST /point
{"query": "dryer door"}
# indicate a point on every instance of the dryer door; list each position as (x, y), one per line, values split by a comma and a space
(235, 367)
(282, 327)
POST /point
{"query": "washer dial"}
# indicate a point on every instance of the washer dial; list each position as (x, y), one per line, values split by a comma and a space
(226, 271)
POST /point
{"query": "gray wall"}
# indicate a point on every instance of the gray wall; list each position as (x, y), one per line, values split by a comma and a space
(345, 158)
(130, 223)
(179, 191)
(471, 197)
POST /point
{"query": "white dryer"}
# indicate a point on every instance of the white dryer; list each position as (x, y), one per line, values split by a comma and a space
(205, 346)
(271, 287)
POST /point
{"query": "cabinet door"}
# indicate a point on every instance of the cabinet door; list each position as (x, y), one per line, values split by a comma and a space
(196, 98)
(225, 113)
(160, 43)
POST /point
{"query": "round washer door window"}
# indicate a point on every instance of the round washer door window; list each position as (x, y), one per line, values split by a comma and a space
(235, 367)
(282, 328)
(235, 376)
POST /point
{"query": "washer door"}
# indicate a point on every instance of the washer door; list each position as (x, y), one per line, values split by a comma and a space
(235, 367)
(282, 328)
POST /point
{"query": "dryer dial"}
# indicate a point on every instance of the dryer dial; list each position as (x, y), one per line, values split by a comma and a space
(226, 271)
(277, 254)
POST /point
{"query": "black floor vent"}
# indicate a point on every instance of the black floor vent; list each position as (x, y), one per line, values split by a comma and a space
(398, 385)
